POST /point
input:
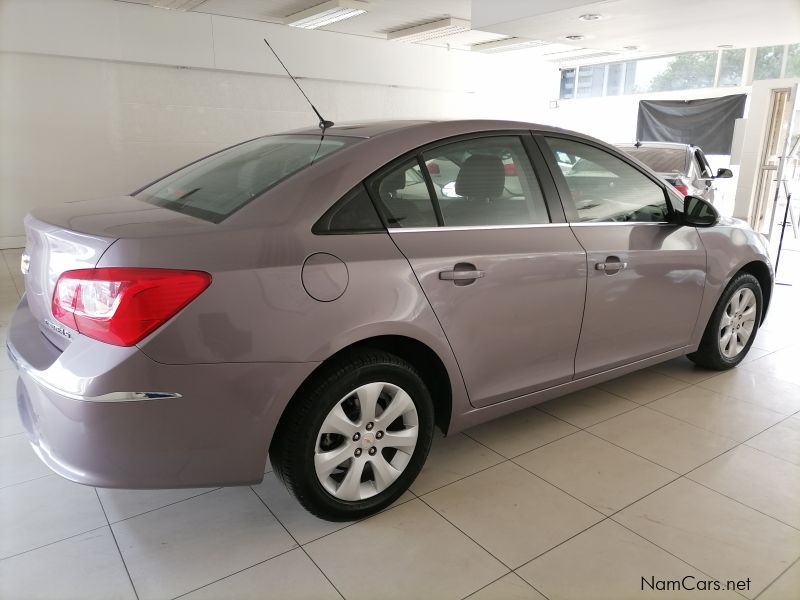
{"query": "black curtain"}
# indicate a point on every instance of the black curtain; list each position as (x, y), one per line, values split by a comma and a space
(707, 123)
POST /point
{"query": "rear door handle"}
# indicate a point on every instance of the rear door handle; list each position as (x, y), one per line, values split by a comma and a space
(460, 275)
(611, 267)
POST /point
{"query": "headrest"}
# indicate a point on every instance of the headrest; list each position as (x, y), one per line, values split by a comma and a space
(393, 182)
(482, 176)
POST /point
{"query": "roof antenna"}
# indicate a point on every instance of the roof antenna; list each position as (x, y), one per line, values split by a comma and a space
(323, 124)
(638, 144)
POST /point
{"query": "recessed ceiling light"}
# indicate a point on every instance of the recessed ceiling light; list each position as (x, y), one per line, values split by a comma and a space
(631, 48)
(725, 46)
(507, 45)
(430, 31)
(575, 38)
(590, 17)
(326, 13)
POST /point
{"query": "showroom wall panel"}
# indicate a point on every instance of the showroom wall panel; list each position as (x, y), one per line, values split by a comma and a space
(100, 97)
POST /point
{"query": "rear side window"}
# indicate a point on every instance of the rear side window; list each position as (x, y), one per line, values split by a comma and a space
(354, 213)
(219, 185)
(404, 198)
(484, 182)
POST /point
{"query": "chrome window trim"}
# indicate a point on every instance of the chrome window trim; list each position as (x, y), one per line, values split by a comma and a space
(532, 226)
(605, 223)
(473, 227)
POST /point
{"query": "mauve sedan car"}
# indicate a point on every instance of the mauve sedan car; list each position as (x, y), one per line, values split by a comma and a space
(321, 301)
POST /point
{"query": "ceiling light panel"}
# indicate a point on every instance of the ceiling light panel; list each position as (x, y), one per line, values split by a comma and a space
(183, 5)
(507, 45)
(430, 31)
(327, 13)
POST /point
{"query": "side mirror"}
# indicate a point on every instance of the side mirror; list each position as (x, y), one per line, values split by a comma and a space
(723, 174)
(698, 212)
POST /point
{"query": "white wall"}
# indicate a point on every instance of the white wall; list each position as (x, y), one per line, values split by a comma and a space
(99, 97)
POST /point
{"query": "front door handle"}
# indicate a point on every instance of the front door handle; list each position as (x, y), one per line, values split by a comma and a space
(462, 274)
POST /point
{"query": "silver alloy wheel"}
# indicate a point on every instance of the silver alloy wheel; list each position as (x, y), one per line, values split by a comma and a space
(366, 441)
(737, 322)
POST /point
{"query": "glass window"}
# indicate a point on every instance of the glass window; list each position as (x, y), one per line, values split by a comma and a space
(768, 62)
(217, 186)
(485, 182)
(609, 189)
(404, 197)
(614, 80)
(567, 83)
(590, 81)
(683, 72)
(730, 67)
(793, 61)
(354, 213)
(661, 160)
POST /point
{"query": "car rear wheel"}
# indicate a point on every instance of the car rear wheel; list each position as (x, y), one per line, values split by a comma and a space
(356, 437)
(733, 325)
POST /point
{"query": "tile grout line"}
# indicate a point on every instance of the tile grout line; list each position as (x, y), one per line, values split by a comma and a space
(69, 537)
(299, 545)
(165, 506)
(235, 573)
(116, 543)
(512, 572)
(782, 573)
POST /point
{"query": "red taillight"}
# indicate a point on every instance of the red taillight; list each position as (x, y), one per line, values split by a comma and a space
(682, 188)
(510, 169)
(120, 305)
(433, 167)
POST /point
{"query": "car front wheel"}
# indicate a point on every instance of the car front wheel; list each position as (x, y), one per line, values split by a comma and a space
(355, 438)
(733, 325)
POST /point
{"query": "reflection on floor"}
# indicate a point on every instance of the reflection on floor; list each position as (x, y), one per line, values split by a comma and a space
(669, 472)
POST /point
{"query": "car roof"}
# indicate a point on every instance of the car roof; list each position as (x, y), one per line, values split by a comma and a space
(665, 145)
(371, 129)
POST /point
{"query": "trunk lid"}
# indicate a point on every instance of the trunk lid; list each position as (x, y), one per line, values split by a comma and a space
(75, 235)
(50, 251)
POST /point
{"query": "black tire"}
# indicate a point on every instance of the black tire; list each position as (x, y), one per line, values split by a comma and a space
(295, 442)
(709, 355)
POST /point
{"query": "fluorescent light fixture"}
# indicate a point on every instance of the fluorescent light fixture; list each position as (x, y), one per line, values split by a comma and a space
(574, 38)
(507, 45)
(430, 31)
(590, 17)
(182, 5)
(326, 13)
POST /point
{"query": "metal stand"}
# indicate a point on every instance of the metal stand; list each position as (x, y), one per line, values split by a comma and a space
(784, 223)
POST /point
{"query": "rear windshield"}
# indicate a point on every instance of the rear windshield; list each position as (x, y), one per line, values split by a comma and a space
(216, 187)
(661, 160)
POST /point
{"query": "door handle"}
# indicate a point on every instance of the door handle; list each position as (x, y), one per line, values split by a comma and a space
(460, 275)
(611, 266)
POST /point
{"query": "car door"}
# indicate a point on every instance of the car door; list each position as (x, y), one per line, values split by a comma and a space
(645, 274)
(500, 266)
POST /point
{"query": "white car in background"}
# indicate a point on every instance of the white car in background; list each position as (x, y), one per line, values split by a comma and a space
(682, 165)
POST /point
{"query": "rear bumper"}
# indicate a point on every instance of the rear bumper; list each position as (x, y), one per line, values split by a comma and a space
(89, 418)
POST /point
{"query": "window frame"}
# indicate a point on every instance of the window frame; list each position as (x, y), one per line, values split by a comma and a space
(319, 229)
(565, 194)
(537, 162)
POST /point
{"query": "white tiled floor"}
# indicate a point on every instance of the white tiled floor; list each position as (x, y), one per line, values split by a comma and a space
(669, 472)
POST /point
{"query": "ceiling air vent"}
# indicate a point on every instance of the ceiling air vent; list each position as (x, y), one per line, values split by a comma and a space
(430, 31)
(507, 45)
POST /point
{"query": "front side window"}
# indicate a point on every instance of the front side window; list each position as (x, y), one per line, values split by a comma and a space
(605, 188)
(485, 182)
(219, 185)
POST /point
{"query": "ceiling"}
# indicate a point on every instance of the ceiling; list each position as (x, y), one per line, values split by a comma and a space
(653, 26)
